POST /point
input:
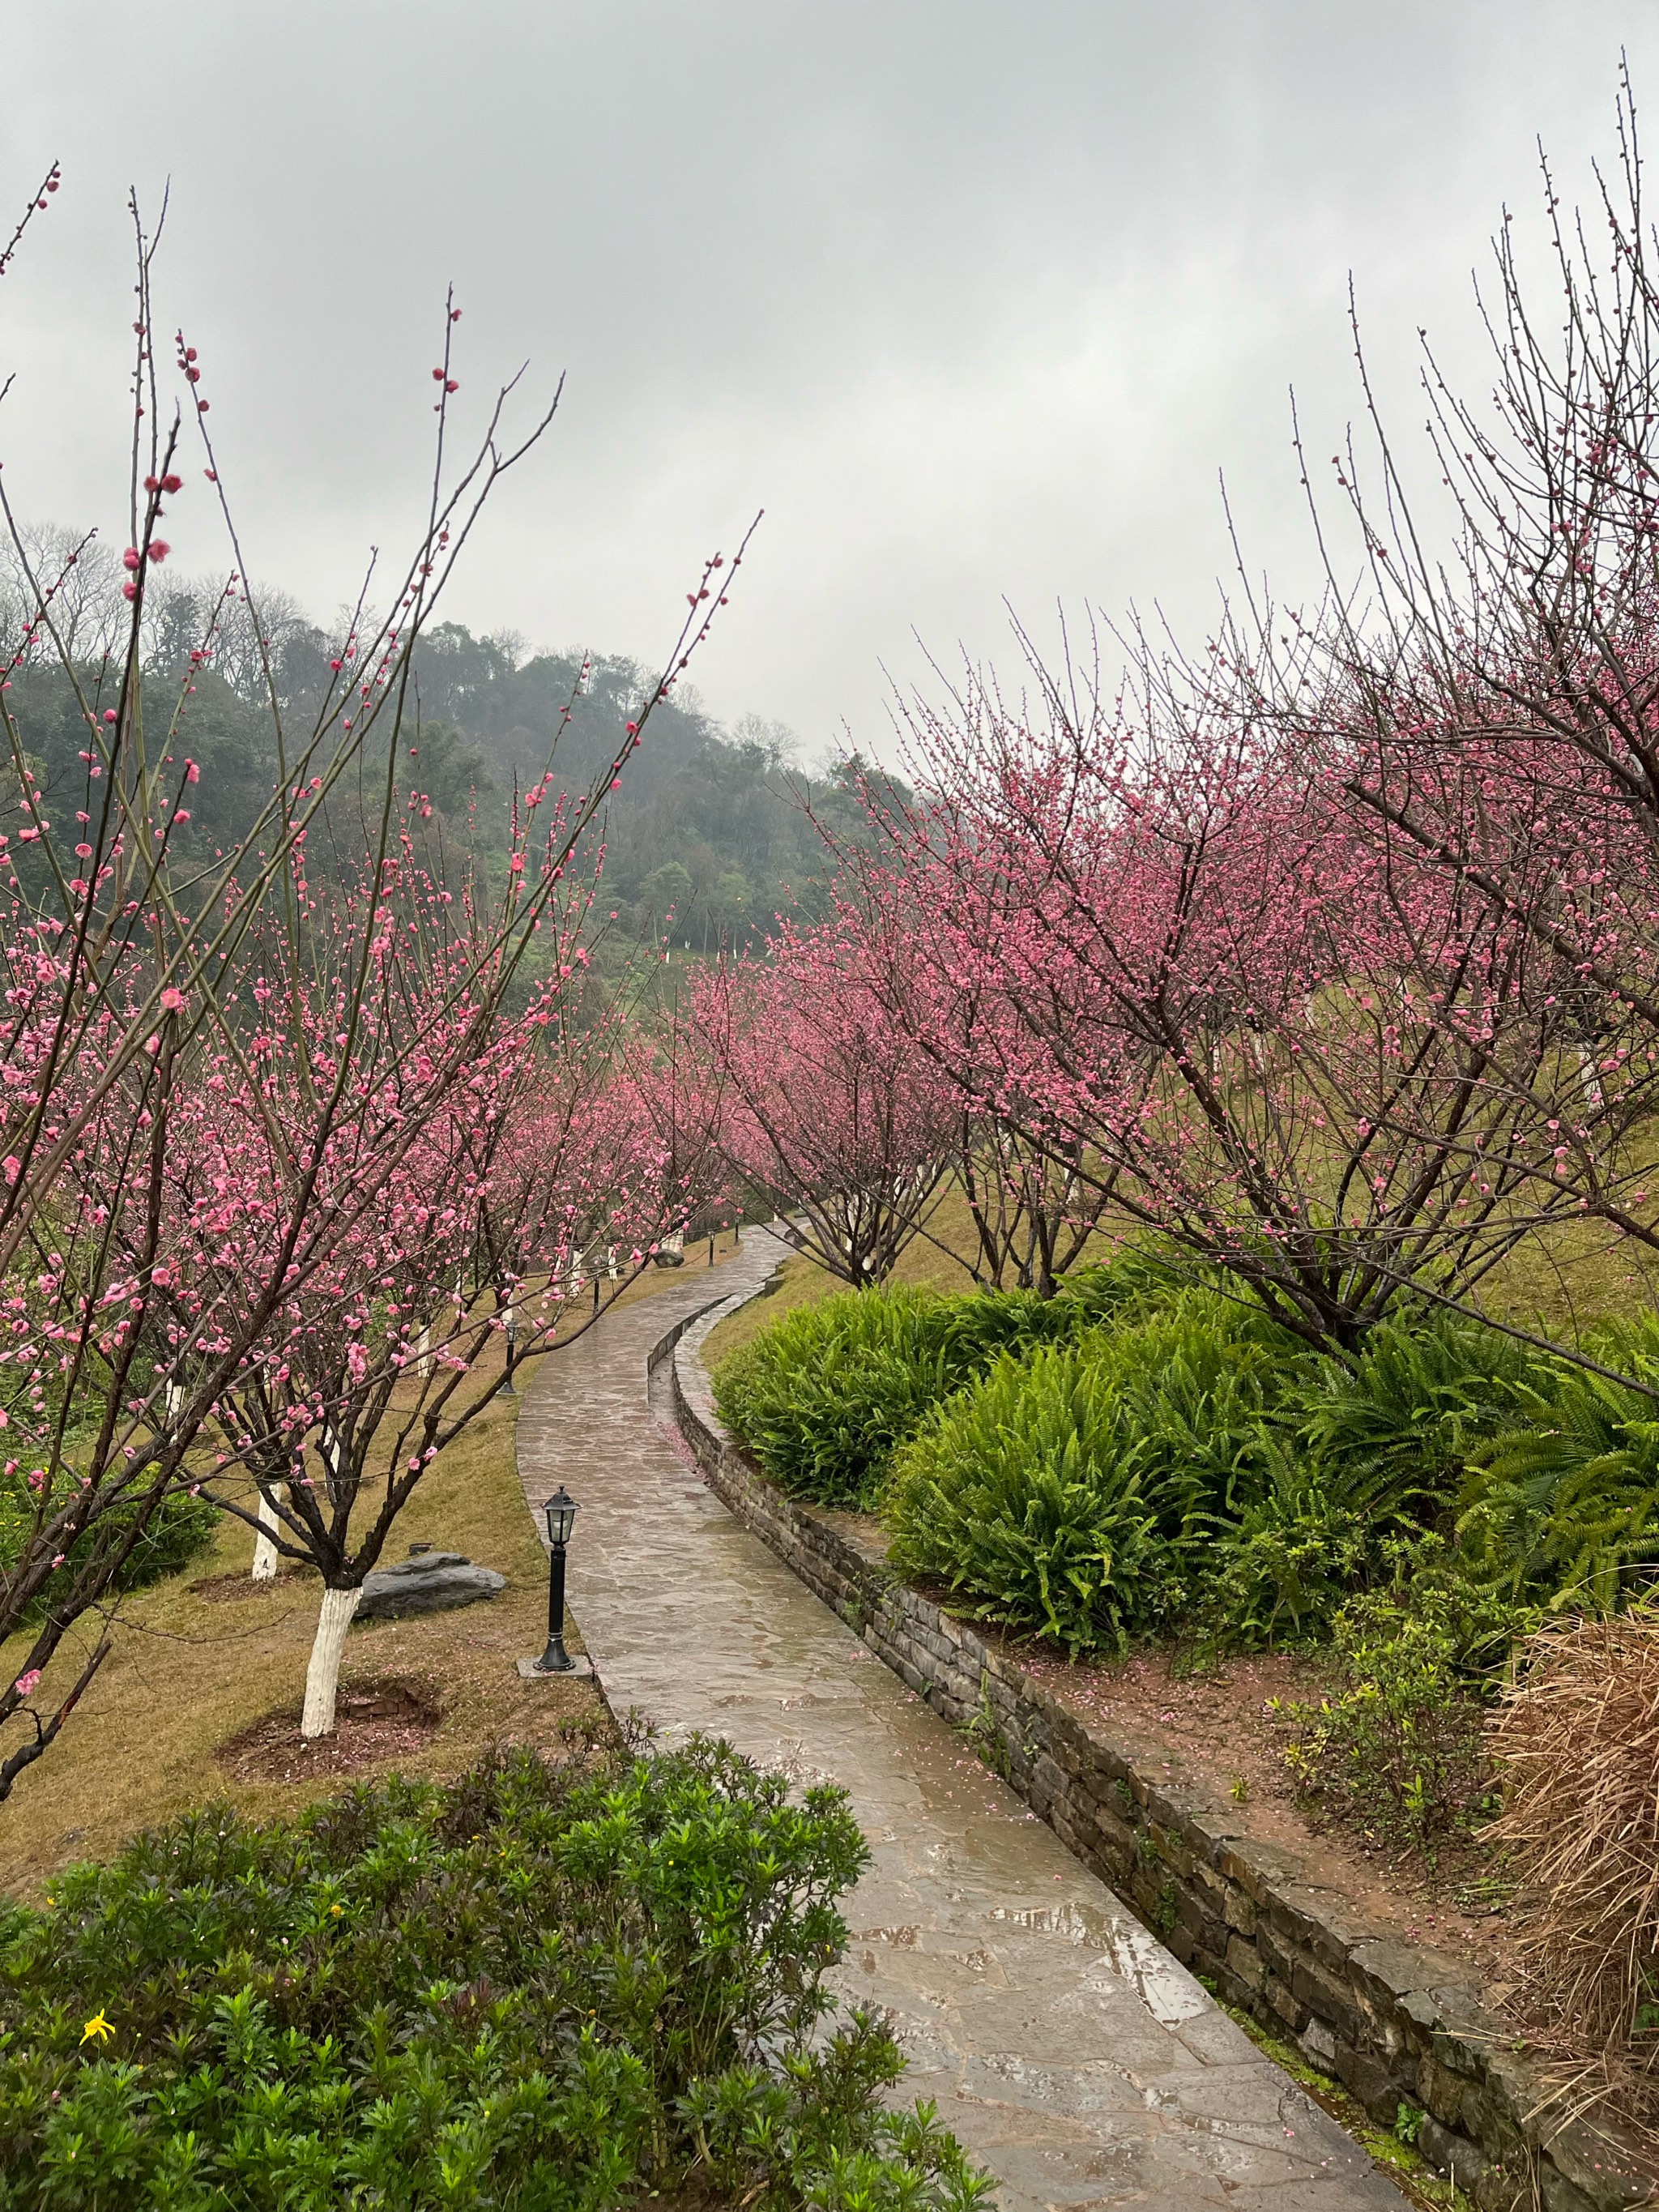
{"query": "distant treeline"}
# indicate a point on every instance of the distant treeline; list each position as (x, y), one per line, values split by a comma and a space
(713, 834)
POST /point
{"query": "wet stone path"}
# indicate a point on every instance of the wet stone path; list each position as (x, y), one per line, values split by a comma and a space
(1072, 2054)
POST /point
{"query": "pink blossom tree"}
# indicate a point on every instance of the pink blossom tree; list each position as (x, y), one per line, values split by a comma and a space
(1249, 1025)
(1480, 686)
(449, 1213)
(823, 1103)
(149, 1004)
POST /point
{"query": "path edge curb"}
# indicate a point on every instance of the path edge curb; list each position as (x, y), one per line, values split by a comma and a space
(1389, 2019)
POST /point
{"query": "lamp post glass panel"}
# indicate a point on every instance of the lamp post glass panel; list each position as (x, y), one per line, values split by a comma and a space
(561, 1510)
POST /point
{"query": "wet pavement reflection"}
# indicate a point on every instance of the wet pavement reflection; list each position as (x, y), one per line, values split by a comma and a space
(1075, 2056)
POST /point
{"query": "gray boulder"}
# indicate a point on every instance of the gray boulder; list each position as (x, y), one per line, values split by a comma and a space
(426, 1582)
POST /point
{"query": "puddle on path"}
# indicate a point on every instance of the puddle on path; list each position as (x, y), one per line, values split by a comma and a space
(1170, 1993)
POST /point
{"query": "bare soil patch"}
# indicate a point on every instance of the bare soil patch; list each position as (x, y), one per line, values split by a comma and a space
(227, 1590)
(380, 1718)
(1214, 1725)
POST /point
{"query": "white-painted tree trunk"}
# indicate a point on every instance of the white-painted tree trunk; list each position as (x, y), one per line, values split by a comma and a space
(323, 1674)
(265, 1542)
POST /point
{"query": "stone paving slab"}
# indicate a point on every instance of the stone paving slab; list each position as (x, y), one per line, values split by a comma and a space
(1075, 2058)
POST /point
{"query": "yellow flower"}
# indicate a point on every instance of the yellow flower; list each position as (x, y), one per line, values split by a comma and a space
(336, 1909)
(97, 2026)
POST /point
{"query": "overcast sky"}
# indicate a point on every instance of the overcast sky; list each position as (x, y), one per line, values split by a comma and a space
(977, 299)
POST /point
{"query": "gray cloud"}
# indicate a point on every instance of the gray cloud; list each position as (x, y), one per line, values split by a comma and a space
(975, 299)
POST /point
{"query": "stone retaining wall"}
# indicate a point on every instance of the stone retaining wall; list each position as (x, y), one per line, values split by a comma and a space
(1390, 2020)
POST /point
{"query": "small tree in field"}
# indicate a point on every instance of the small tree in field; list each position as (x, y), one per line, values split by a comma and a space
(823, 1103)
(1031, 1211)
(372, 1365)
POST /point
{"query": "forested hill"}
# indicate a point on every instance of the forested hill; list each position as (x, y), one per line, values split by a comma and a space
(707, 839)
(711, 824)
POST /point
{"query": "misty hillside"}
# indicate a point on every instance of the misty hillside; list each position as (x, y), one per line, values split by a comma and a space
(707, 839)
(711, 824)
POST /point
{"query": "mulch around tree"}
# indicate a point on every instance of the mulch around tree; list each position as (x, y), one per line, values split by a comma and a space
(379, 1718)
(228, 1589)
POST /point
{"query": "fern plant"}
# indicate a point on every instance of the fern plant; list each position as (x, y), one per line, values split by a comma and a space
(1566, 1509)
(1071, 1494)
(1025, 1497)
(1393, 1434)
(825, 1397)
(1277, 1573)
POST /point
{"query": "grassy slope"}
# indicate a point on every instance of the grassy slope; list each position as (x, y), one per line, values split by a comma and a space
(1555, 1286)
(930, 1262)
(187, 1673)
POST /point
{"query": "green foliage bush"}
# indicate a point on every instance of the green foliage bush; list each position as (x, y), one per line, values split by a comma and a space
(1277, 1573)
(1070, 1493)
(1399, 1745)
(1367, 1451)
(821, 1396)
(538, 1989)
(180, 1530)
(1147, 1450)
(1394, 1432)
(1565, 1511)
(1024, 1498)
(825, 1395)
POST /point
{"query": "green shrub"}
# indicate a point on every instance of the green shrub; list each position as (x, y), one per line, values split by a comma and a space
(1024, 1497)
(1393, 1434)
(1068, 1493)
(1138, 1281)
(180, 1530)
(1399, 1745)
(1565, 1511)
(536, 1987)
(1201, 1376)
(1195, 1462)
(825, 1397)
(1369, 1452)
(1278, 1573)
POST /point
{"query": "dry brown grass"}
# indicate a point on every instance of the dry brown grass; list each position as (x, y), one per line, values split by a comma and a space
(193, 1669)
(1578, 1742)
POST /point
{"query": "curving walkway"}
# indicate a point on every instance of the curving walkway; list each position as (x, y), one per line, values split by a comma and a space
(1063, 2045)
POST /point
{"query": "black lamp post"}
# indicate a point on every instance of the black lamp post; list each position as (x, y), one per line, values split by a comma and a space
(561, 1511)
